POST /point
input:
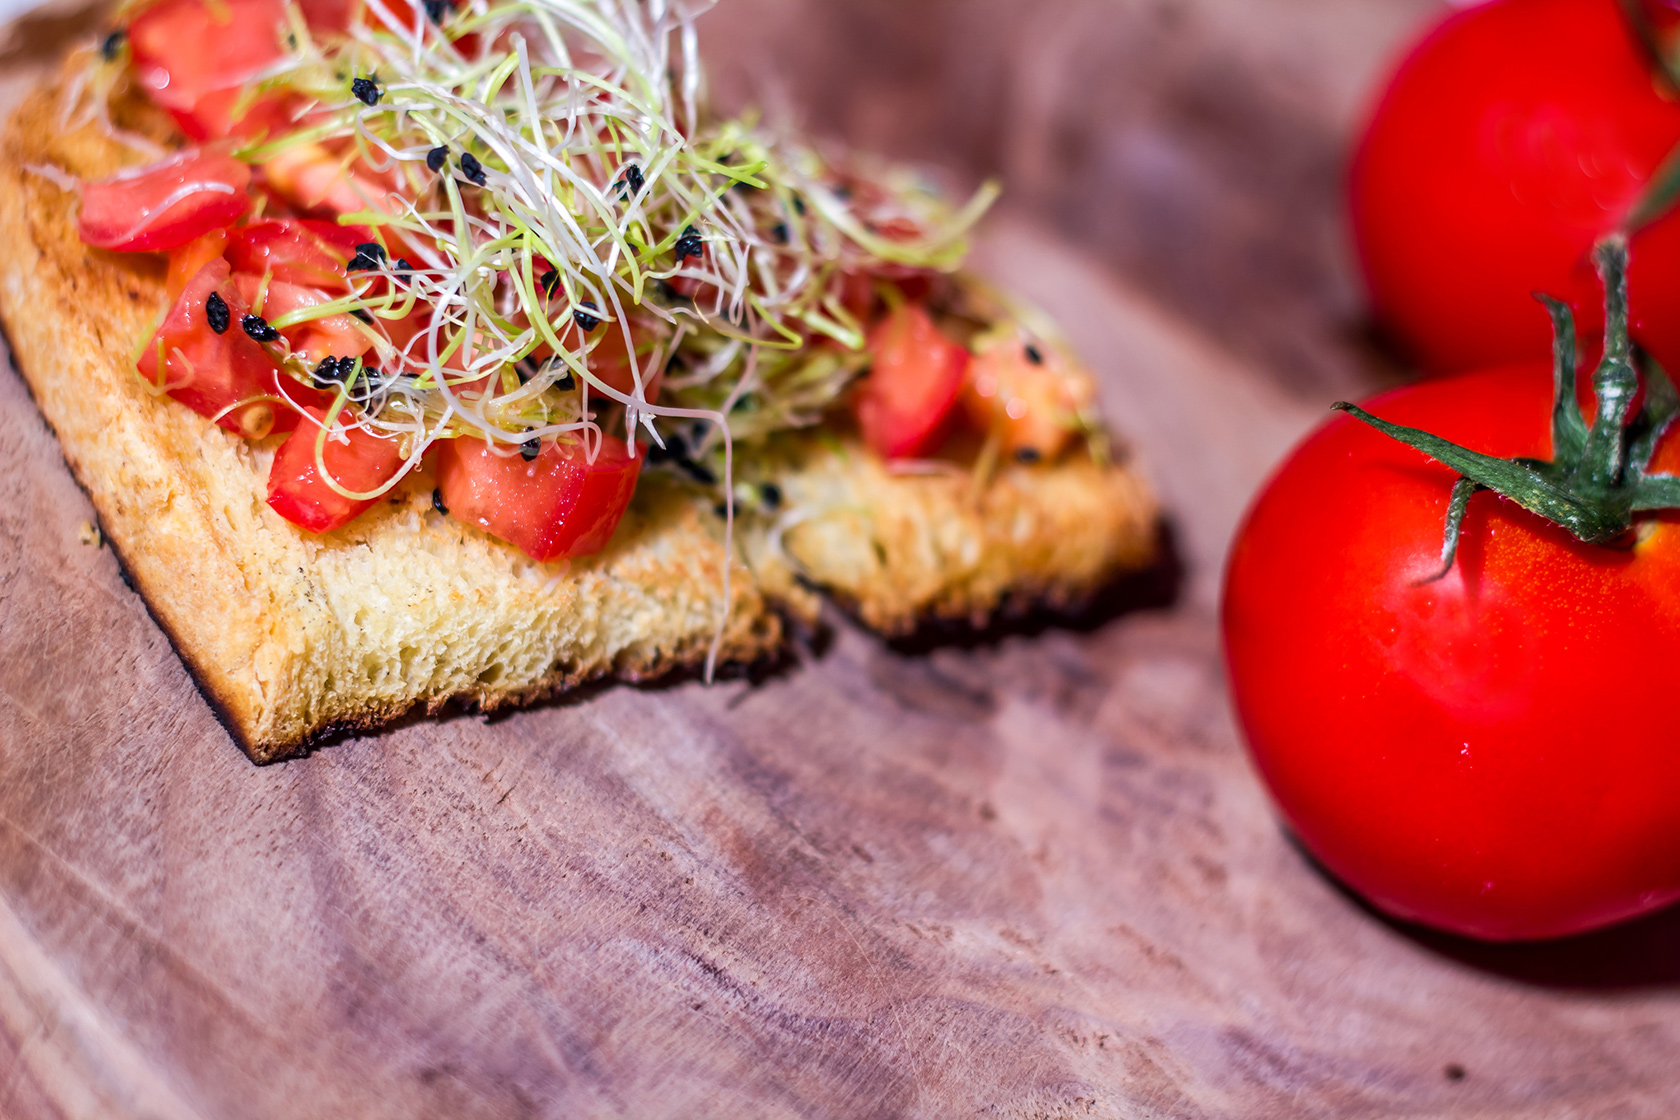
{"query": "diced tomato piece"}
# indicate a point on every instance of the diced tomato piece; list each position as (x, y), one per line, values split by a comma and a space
(359, 462)
(210, 372)
(555, 505)
(298, 251)
(228, 112)
(192, 56)
(314, 179)
(331, 334)
(610, 360)
(903, 404)
(186, 260)
(328, 16)
(1030, 396)
(165, 205)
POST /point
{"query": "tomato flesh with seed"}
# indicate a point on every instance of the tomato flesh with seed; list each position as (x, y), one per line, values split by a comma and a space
(165, 205)
(1486, 752)
(556, 505)
(903, 404)
(210, 373)
(359, 462)
(1513, 137)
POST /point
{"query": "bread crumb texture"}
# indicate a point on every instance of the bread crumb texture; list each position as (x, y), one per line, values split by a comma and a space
(290, 634)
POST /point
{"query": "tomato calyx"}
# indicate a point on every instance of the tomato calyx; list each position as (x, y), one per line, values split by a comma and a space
(1596, 479)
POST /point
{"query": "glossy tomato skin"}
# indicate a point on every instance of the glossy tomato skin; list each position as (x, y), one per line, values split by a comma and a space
(1491, 753)
(360, 462)
(916, 372)
(192, 57)
(556, 505)
(1512, 137)
(165, 205)
(212, 373)
(297, 250)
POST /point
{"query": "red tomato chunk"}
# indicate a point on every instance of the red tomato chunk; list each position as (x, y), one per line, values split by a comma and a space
(192, 57)
(166, 205)
(359, 462)
(903, 405)
(297, 251)
(555, 505)
(210, 372)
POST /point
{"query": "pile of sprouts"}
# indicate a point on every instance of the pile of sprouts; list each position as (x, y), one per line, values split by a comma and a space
(557, 202)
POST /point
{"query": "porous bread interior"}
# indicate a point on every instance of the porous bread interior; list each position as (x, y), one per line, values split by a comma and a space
(290, 633)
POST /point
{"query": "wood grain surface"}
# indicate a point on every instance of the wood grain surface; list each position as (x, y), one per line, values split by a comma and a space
(1026, 876)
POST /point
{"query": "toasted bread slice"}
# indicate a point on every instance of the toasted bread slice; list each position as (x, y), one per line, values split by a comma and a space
(289, 633)
(901, 548)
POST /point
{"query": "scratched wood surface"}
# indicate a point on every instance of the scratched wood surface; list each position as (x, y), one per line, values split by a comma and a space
(1030, 877)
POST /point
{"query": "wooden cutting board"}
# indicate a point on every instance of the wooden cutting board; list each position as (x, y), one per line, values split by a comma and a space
(1026, 877)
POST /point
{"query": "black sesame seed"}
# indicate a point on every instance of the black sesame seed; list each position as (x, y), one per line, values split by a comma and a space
(1028, 455)
(259, 330)
(530, 449)
(472, 170)
(361, 313)
(1033, 355)
(438, 10)
(566, 382)
(688, 245)
(779, 232)
(112, 44)
(331, 371)
(435, 158)
(771, 494)
(361, 262)
(437, 502)
(216, 313)
(365, 90)
(371, 249)
(402, 265)
(549, 280)
(632, 180)
(721, 510)
(584, 319)
(699, 472)
(799, 206)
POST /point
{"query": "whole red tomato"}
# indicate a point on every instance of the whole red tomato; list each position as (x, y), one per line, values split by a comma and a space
(1512, 137)
(1495, 752)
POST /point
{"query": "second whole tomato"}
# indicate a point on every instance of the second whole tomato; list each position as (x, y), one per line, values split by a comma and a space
(1493, 752)
(1510, 139)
